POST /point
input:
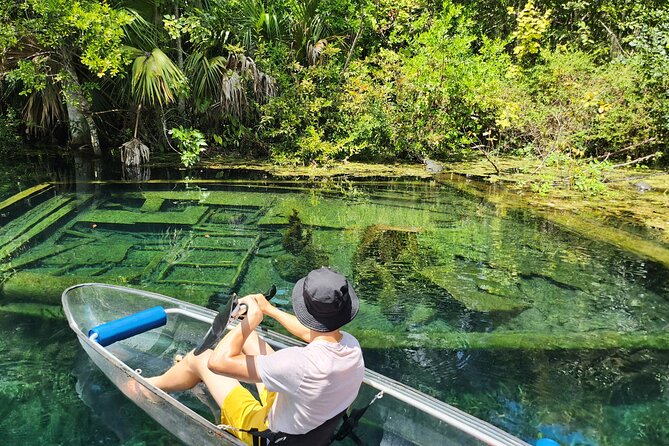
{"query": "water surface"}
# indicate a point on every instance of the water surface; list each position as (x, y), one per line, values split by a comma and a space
(507, 316)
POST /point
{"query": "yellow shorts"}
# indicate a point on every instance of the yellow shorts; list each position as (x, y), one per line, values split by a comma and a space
(242, 410)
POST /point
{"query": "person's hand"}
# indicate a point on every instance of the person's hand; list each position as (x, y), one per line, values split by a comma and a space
(263, 303)
(254, 314)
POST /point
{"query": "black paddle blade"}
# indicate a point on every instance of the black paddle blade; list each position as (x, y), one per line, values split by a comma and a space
(270, 294)
(218, 328)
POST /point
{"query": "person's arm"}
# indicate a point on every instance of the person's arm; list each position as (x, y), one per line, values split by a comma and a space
(228, 357)
(290, 322)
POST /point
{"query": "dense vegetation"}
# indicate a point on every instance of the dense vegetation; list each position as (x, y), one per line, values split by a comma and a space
(308, 81)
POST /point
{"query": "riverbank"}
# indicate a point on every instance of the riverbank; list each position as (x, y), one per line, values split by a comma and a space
(634, 200)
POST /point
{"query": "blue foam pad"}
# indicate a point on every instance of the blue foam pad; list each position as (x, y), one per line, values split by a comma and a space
(129, 326)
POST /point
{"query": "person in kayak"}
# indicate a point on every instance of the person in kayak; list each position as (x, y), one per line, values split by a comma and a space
(301, 389)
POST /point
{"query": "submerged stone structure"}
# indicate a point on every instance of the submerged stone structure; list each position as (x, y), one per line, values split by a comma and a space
(431, 271)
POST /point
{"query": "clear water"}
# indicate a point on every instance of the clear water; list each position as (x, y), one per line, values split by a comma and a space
(506, 316)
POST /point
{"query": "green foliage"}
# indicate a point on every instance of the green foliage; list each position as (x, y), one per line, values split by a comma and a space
(91, 29)
(191, 144)
(531, 28)
(191, 25)
(580, 174)
(422, 101)
(9, 131)
(570, 104)
(31, 75)
(98, 29)
(299, 123)
(589, 178)
(650, 42)
(308, 81)
(399, 22)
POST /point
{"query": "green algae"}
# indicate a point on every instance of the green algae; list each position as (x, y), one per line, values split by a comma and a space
(580, 295)
(592, 216)
(92, 253)
(38, 310)
(32, 286)
(24, 194)
(189, 216)
(202, 197)
(349, 169)
(37, 220)
(479, 295)
(452, 252)
(339, 246)
(48, 250)
(387, 244)
(340, 214)
(301, 255)
(527, 341)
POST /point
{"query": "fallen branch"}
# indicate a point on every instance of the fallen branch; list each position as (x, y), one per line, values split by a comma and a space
(625, 149)
(480, 147)
(114, 110)
(638, 160)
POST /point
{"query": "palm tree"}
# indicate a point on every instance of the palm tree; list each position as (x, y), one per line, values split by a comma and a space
(155, 81)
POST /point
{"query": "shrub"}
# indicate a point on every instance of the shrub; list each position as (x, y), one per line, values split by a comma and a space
(191, 144)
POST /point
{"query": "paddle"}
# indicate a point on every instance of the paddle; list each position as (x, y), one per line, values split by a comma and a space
(225, 315)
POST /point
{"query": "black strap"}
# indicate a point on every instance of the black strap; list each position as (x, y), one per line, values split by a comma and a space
(317, 435)
(265, 437)
(351, 422)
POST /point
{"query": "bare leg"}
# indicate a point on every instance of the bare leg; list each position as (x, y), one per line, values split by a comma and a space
(192, 370)
(188, 372)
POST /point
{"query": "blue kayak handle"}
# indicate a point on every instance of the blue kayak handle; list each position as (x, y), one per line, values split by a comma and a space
(129, 326)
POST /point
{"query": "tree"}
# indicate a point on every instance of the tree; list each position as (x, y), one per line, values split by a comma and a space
(64, 45)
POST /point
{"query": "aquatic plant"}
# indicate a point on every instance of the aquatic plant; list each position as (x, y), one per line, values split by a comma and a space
(301, 256)
(296, 237)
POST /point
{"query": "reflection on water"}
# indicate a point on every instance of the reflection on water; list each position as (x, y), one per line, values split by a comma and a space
(511, 318)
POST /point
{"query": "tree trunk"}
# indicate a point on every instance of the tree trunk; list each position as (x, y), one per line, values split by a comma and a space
(81, 124)
(181, 102)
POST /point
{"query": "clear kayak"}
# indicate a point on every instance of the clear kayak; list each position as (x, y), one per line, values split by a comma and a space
(403, 416)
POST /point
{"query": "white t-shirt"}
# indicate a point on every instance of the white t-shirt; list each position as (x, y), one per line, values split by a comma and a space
(313, 383)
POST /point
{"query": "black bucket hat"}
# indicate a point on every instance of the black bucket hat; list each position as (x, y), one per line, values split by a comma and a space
(324, 300)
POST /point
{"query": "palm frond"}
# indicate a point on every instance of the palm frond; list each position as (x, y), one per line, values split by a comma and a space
(139, 31)
(315, 51)
(205, 73)
(43, 109)
(156, 80)
(253, 20)
(233, 96)
(308, 30)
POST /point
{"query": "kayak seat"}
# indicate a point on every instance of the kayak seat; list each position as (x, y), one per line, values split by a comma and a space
(322, 435)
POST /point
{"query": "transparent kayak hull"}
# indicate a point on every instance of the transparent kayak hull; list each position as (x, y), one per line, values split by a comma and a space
(403, 416)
